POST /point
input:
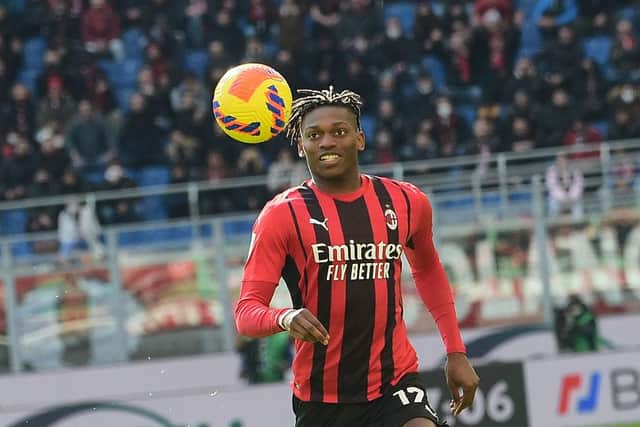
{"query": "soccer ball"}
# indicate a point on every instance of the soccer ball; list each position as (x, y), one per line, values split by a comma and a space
(252, 103)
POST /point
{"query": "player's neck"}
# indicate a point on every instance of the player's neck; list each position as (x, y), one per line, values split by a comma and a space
(346, 184)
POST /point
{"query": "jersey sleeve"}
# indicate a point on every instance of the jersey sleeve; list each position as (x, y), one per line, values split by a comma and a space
(267, 252)
(429, 274)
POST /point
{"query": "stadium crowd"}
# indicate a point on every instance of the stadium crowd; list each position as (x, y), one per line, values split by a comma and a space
(110, 94)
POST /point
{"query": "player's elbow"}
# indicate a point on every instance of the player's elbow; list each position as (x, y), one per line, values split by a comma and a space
(244, 320)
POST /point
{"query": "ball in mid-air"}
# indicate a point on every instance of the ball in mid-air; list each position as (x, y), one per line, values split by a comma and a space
(252, 103)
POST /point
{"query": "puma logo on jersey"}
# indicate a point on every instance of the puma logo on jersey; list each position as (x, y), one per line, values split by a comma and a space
(322, 224)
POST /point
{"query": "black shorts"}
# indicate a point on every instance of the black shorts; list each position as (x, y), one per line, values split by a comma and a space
(403, 402)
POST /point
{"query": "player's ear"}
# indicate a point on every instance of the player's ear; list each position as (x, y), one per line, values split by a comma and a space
(360, 140)
(300, 149)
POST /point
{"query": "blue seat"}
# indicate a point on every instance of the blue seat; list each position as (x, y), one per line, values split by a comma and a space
(436, 69)
(33, 53)
(13, 221)
(491, 200)
(134, 42)
(196, 61)
(154, 175)
(123, 74)
(598, 48)
(602, 127)
(368, 124)
(467, 112)
(405, 12)
(122, 97)
(153, 207)
(29, 77)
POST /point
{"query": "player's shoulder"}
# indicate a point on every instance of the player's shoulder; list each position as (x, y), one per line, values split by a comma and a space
(411, 190)
(281, 201)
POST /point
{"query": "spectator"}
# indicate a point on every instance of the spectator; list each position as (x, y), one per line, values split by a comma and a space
(260, 16)
(623, 127)
(551, 14)
(291, 34)
(589, 88)
(140, 141)
(229, 33)
(78, 228)
(43, 184)
(285, 171)
(250, 163)
(565, 184)
(555, 120)
(561, 59)
(520, 137)
(220, 200)
(360, 19)
(89, 139)
(185, 151)
(427, 27)
(102, 97)
(255, 51)
(197, 22)
(625, 53)
(156, 99)
(325, 16)
(117, 211)
(52, 72)
(624, 176)
(178, 203)
(41, 221)
(582, 134)
(385, 146)
(449, 129)
(17, 170)
(56, 106)
(192, 86)
(11, 52)
(70, 183)
(484, 139)
(421, 101)
(503, 7)
(20, 113)
(389, 118)
(53, 156)
(101, 30)
(525, 78)
(423, 146)
(161, 68)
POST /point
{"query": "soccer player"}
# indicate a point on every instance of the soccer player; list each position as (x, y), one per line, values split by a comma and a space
(337, 241)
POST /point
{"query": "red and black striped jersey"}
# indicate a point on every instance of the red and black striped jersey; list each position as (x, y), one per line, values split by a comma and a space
(340, 256)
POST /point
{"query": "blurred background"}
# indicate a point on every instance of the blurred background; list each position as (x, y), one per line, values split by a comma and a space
(125, 212)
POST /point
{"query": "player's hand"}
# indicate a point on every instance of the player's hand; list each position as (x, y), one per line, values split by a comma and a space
(461, 376)
(303, 325)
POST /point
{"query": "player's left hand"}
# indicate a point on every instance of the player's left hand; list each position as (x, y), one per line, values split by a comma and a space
(461, 376)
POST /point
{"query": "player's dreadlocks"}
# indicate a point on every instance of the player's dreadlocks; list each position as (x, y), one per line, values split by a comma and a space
(319, 98)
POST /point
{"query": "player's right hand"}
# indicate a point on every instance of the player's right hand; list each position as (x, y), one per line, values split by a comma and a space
(303, 325)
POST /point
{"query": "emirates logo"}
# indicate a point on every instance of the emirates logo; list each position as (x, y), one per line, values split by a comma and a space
(391, 218)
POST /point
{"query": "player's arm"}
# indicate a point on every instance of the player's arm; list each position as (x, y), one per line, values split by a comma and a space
(270, 245)
(429, 274)
(435, 291)
(267, 253)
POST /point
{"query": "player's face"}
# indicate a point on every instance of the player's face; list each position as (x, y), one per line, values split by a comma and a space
(331, 143)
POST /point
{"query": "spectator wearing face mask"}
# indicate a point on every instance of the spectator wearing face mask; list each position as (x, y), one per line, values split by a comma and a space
(449, 130)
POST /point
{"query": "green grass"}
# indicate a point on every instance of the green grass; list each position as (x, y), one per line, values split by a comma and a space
(624, 425)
